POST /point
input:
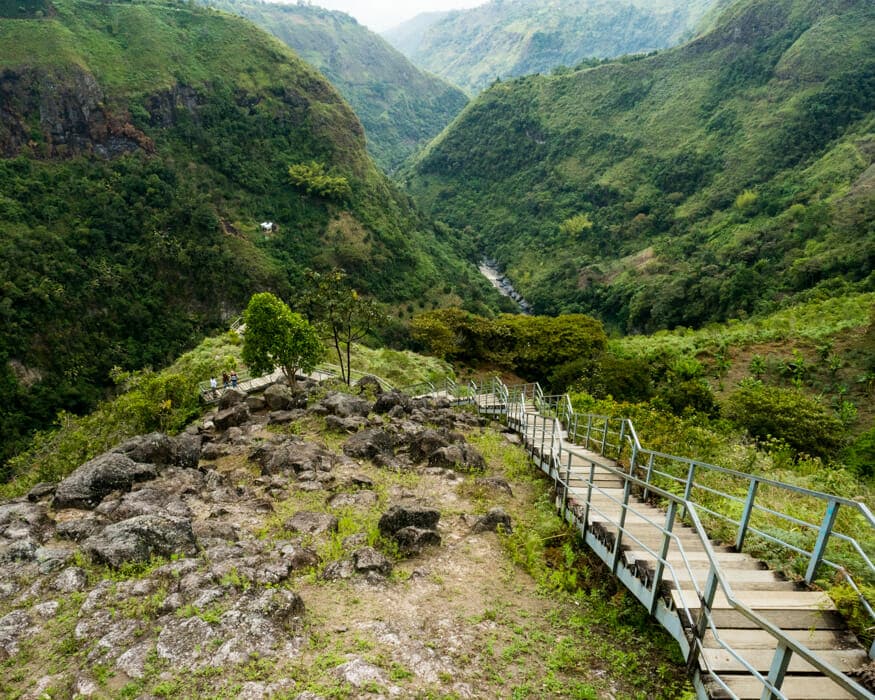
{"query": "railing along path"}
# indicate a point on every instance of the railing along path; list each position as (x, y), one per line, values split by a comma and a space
(745, 632)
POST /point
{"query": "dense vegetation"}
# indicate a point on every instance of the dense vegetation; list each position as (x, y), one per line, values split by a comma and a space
(506, 38)
(142, 143)
(400, 106)
(708, 182)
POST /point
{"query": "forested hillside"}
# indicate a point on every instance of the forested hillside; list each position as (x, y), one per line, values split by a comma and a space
(142, 144)
(506, 38)
(707, 182)
(400, 106)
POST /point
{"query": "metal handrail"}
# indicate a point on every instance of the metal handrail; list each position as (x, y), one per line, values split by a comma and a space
(786, 646)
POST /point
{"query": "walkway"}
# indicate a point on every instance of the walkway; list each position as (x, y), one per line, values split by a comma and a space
(745, 631)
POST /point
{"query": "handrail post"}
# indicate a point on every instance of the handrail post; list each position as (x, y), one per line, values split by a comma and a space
(552, 444)
(605, 436)
(620, 439)
(706, 601)
(567, 488)
(688, 489)
(627, 492)
(588, 431)
(649, 475)
(780, 662)
(663, 555)
(829, 519)
(588, 496)
(745, 516)
(543, 439)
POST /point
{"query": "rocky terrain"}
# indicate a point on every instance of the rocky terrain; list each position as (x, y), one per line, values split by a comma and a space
(305, 543)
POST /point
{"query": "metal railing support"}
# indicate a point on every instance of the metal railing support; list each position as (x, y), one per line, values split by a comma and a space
(829, 519)
(745, 516)
(688, 489)
(620, 439)
(588, 495)
(663, 555)
(567, 488)
(605, 436)
(588, 432)
(627, 492)
(649, 475)
(780, 662)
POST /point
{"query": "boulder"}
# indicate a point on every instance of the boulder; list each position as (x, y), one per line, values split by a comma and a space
(345, 425)
(495, 483)
(235, 415)
(495, 520)
(231, 397)
(281, 397)
(412, 539)
(284, 417)
(138, 539)
(41, 491)
(340, 569)
(298, 557)
(109, 472)
(357, 499)
(346, 405)
(389, 400)
(424, 443)
(369, 383)
(399, 516)
(460, 457)
(187, 450)
(311, 523)
(370, 444)
(256, 403)
(154, 448)
(368, 559)
(295, 456)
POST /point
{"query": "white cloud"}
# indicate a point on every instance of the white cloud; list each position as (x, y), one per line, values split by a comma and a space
(379, 15)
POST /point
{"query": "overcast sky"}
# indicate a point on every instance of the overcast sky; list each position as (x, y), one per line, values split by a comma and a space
(378, 15)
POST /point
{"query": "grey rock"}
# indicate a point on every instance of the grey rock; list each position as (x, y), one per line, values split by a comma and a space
(311, 523)
(346, 405)
(41, 491)
(359, 539)
(405, 515)
(389, 401)
(215, 530)
(19, 551)
(184, 643)
(230, 417)
(340, 569)
(496, 519)
(133, 662)
(281, 397)
(187, 450)
(256, 404)
(298, 557)
(284, 417)
(369, 383)
(370, 444)
(345, 425)
(296, 456)
(213, 450)
(71, 579)
(51, 559)
(368, 559)
(154, 448)
(138, 539)
(412, 539)
(462, 457)
(13, 627)
(495, 483)
(109, 472)
(357, 499)
(231, 397)
(425, 443)
(359, 674)
(79, 529)
(19, 519)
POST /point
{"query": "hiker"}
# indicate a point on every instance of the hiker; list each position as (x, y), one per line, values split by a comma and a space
(233, 379)
(225, 380)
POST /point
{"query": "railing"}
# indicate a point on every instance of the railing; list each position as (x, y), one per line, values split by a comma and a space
(677, 482)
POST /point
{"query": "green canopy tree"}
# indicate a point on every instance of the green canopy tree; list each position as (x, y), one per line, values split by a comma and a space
(276, 336)
(343, 314)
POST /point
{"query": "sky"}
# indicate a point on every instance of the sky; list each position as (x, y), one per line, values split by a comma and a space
(378, 15)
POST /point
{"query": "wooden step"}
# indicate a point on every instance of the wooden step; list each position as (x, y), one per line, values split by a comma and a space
(760, 639)
(728, 560)
(721, 661)
(795, 687)
(759, 601)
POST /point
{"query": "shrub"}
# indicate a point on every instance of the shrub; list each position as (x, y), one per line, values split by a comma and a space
(690, 394)
(786, 414)
(859, 457)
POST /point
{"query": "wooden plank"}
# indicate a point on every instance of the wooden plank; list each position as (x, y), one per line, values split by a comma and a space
(721, 661)
(784, 619)
(816, 601)
(796, 687)
(760, 639)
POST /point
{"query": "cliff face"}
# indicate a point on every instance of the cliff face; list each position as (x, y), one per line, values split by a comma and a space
(48, 114)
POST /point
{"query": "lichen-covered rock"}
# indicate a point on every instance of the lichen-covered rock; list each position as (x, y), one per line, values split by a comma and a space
(154, 448)
(13, 627)
(187, 450)
(424, 443)
(495, 483)
(494, 521)
(138, 539)
(70, 580)
(345, 425)
(369, 560)
(311, 523)
(374, 443)
(408, 515)
(111, 471)
(346, 405)
(42, 490)
(357, 499)
(230, 417)
(412, 539)
(463, 457)
(389, 400)
(339, 570)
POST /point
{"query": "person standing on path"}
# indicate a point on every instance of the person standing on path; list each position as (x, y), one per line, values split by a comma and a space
(233, 379)
(225, 380)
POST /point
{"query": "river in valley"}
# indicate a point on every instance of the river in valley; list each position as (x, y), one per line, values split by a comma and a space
(489, 269)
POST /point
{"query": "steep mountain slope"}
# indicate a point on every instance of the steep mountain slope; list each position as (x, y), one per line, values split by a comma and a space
(506, 38)
(704, 183)
(400, 106)
(141, 144)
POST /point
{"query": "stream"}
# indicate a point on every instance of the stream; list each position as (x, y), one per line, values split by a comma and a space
(489, 269)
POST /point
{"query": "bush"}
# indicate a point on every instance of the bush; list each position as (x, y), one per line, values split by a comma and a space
(786, 414)
(623, 378)
(690, 394)
(859, 457)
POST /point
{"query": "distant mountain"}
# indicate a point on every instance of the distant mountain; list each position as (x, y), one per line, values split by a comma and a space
(141, 146)
(711, 181)
(400, 106)
(507, 38)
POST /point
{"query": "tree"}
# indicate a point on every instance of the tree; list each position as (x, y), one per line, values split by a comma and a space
(313, 178)
(343, 314)
(276, 336)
